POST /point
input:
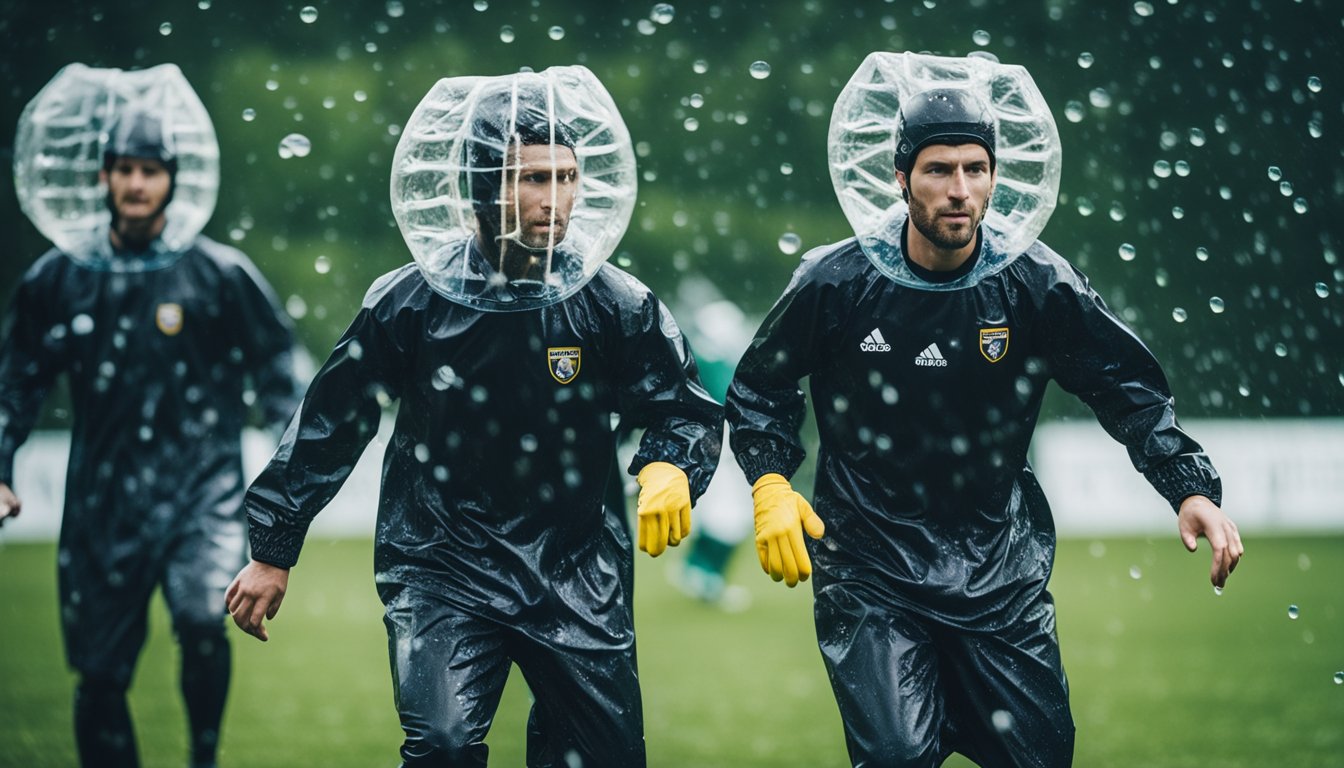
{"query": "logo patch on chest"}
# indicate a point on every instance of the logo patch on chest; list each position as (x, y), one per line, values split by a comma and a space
(993, 343)
(168, 317)
(564, 362)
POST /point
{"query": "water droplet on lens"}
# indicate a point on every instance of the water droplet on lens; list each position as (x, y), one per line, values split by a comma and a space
(1293, 613)
(1085, 59)
(322, 265)
(1322, 290)
(361, 96)
(1314, 84)
(1197, 137)
(1286, 188)
(1085, 207)
(1216, 305)
(1281, 349)
(1178, 315)
(1073, 110)
(81, 324)
(1099, 98)
(506, 34)
(395, 9)
(759, 70)
(786, 169)
(980, 37)
(1202, 253)
(1300, 205)
(1275, 173)
(480, 5)
(1127, 252)
(663, 13)
(1182, 168)
(295, 145)
(789, 243)
(1339, 678)
(308, 15)
(690, 124)
(700, 66)
(1143, 8)
(166, 28)
(1002, 720)
(1162, 169)
(556, 33)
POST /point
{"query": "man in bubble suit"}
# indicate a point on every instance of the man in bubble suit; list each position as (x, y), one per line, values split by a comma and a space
(157, 359)
(492, 546)
(933, 542)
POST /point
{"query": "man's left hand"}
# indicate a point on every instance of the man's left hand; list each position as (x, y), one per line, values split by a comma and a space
(1201, 517)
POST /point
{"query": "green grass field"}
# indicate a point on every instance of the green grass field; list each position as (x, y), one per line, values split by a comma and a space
(1163, 672)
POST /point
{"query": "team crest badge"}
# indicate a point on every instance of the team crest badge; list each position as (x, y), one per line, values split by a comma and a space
(563, 362)
(993, 343)
(169, 318)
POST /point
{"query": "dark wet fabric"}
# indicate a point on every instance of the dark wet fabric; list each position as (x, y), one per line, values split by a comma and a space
(158, 362)
(912, 691)
(931, 579)
(496, 473)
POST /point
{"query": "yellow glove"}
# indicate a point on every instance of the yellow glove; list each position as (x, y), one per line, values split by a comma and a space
(664, 507)
(782, 514)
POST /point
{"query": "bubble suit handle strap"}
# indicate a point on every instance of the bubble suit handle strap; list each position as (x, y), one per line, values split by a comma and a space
(58, 151)
(861, 146)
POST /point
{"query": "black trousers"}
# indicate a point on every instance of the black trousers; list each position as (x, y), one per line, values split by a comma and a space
(912, 691)
(449, 668)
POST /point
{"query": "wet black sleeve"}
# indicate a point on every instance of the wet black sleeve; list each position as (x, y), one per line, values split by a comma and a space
(660, 391)
(267, 342)
(338, 417)
(1093, 355)
(765, 406)
(28, 366)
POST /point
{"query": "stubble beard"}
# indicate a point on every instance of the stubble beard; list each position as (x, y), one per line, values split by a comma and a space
(942, 235)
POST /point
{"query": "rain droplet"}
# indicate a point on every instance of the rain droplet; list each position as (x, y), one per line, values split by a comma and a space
(1085, 207)
(1182, 168)
(1117, 212)
(1303, 562)
(444, 378)
(980, 37)
(506, 34)
(1178, 315)
(81, 324)
(395, 9)
(295, 145)
(700, 66)
(329, 102)
(786, 169)
(690, 124)
(1002, 720)
(759, 70)
(1085, 60)
(556, 33)
(1315, 128)
(1300, 205)
(1293, 612)
(272, 85)
(1339, 678)
(308, 15)
(1202, 253)
(249, 115)
(1135, 573)
(663, 13)
(1162, 169)
(1073, 110)
(480, 5)
(696, 101)
(1099, 98)
(1314, 84)
(1275, 173)
(789, 243)
(204, 5)
(1216, 305)
(166, 28)
(322, 265)
(361, 96)
(1286, 188)
(1281, 349)
(1322, 290)
(1197, 137)
(1218, 591)
(422, 453)
(1127, 252)
(1143, 8)
(1177, 212)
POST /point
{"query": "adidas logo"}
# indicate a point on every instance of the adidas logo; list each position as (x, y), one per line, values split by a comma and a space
(874, 342)
(931, 357)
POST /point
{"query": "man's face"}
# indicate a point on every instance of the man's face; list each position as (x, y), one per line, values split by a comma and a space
(539, 194)
(949, 189)
(138, 186)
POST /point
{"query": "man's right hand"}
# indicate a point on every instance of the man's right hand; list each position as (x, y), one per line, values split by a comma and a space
(782, 514)
(254, 595)
(9, 503)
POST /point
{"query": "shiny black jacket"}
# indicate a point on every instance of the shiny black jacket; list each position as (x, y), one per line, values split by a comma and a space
(157, 363)
(926, 397)
(494, 478)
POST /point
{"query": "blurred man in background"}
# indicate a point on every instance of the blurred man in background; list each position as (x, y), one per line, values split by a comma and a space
(493, 547)
(156, 360)
(931, 606)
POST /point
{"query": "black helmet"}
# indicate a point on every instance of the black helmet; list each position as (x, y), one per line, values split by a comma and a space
(942, 116)
(139, 134)
(516, 113)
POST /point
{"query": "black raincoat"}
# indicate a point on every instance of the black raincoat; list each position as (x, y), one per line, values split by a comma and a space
(494, 478)
(926, 398)
(157, 363)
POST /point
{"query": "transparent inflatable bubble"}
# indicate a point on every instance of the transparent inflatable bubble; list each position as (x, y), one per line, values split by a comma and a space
(512, 191)
(58, 152)
(862, 148)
